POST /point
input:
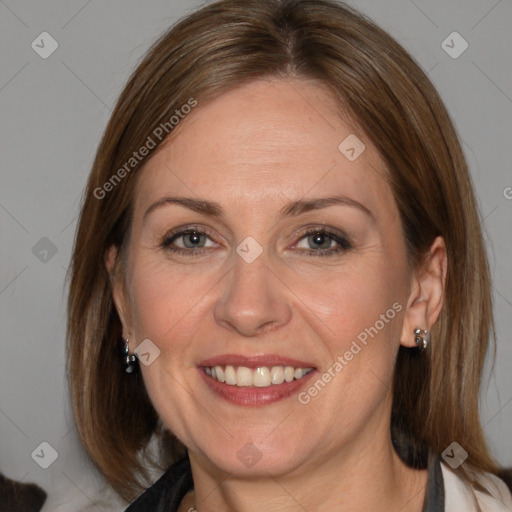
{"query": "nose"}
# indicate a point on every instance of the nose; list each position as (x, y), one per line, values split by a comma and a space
(254, 299)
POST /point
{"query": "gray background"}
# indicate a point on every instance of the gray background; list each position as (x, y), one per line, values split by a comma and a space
(53, 112)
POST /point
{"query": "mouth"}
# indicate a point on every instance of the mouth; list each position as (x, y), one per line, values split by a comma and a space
(256, 380)
(260, 377)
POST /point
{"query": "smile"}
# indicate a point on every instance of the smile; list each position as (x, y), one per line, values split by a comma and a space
(260, 377)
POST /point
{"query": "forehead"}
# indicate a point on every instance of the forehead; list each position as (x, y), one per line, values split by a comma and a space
(267, 139)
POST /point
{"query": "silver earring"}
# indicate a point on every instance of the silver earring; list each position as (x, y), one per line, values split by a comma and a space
(422, 338)
(129, 360)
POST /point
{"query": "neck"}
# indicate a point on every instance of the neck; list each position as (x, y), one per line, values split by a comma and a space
(364, 476)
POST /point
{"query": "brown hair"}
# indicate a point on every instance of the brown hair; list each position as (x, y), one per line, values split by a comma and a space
(374, 79)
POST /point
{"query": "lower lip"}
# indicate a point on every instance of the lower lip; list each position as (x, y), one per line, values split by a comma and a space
(254, 396)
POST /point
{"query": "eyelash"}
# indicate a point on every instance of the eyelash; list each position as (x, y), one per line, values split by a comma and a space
(343, 243)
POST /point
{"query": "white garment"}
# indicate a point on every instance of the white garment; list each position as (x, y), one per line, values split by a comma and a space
(458, 496)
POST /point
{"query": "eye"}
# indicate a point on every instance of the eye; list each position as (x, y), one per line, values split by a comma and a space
(187, 241)
(315, 242)
(319, 242)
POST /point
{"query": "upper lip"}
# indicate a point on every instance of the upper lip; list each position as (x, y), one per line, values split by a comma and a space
(255, 361)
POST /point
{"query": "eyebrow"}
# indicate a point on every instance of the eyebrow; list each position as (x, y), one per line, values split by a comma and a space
(292, 209)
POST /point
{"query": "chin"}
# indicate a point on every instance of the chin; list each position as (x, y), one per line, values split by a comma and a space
(246, 456)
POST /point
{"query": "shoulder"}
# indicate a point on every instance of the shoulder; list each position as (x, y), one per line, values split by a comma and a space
(167, 492)
(458, 495)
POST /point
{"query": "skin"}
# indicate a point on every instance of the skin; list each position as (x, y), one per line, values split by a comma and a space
(253, 150)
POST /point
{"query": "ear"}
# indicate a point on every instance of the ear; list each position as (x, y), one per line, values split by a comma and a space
(119, 295)
(427, 293)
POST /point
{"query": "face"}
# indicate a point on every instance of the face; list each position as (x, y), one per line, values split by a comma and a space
(261, 248)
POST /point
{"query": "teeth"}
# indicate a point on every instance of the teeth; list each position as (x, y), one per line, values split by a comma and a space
(230, 376)
(277, 374)
(258, 377)
(220, 374)
(261, 377)
(243, 376)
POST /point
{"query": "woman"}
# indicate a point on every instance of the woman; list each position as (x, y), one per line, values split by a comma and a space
(280, 233)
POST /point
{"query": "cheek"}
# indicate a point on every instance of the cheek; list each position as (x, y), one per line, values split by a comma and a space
(366, 294)
(357, 313)
(162, 298)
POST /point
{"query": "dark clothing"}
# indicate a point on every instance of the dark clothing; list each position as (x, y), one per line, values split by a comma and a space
(166, 493)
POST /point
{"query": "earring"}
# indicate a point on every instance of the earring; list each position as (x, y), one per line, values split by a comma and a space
(422, 338)
(129, 360)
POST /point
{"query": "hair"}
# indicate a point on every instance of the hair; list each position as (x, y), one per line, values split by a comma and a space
(375, 81)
